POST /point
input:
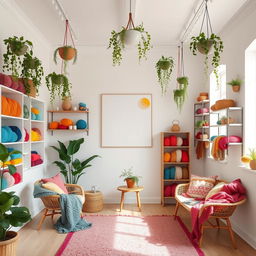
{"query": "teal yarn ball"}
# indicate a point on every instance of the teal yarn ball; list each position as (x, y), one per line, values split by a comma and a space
(4, 184)
(81, 124)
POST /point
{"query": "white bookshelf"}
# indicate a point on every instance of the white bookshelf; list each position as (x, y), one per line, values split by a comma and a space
(28, 124)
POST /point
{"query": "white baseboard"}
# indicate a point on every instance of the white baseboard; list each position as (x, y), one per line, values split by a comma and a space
(144, 200)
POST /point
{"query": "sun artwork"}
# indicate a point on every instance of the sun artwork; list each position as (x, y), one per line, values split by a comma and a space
(144, 102)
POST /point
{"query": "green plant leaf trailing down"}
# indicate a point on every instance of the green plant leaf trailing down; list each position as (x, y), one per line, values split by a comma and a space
(128, 174)
(164, 68)
(180, 94)
(17, 47)
(67, 53)
(32, 69)
(204, 45)
(58, 86)
(117, 43)
(72, 168)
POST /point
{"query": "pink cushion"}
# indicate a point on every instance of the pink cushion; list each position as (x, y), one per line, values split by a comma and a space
(199, 187)
(57, 180)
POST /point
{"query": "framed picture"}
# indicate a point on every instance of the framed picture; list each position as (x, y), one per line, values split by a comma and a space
(126, 120)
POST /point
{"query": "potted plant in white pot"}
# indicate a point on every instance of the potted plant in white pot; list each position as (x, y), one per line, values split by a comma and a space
(235, 83)
(164, 68)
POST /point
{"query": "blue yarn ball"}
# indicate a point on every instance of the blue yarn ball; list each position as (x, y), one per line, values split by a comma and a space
(81, 124)
(4, 183)
(33, 116)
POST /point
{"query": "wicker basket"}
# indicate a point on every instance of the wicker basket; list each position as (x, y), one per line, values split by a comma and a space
(93, 201)
(8, 247)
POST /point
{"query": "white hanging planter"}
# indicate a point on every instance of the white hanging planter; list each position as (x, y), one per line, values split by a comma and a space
(132, 37)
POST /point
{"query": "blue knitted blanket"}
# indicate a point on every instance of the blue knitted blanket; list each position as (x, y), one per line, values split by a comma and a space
(71, 206)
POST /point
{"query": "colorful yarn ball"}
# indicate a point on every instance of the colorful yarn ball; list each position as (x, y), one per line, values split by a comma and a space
(81, 124)
(17, 177)
(66, 122)
(53, 125)
(9, 178)
(35, 111)
(4, 183)
(33, 116)
(25, 111)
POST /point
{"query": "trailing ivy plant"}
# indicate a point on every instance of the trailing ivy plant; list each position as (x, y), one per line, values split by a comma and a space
(32, 69)
(164, 68)
(204, 45)
(179, 95)
(58, 86)
(117, 43)
(17, 47)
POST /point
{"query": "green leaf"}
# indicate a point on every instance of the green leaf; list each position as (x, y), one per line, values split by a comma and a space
(85, 162)
(60, 165)
(12, 169)
(15, 152)
(3, 149)
(76, 163)
(16, 200)
(62, 147)
(64, 157)
(4, 157)
(6, 201)
(74, 146)
(5, 223)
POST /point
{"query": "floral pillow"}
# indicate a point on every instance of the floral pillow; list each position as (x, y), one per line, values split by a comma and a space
(199, 187)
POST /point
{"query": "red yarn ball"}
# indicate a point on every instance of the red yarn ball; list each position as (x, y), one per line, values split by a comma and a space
(17, 177)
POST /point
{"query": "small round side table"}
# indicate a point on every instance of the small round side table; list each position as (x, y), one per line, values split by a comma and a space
(125, 189)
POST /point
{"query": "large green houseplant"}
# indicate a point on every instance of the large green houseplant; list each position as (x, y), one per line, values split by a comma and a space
(32, 69)
(179, 95)
(117, 42)
(71, 167)
(164, 68)
(204, 44)
(58, 86)
(17, 47)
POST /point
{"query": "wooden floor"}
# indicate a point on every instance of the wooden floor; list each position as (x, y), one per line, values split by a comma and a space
(47, 241)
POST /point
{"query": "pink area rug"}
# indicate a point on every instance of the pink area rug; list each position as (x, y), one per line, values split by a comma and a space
(130, 235)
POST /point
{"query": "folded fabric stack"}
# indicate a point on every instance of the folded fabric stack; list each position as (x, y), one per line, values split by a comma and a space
(25, 111)
(63, 124)
(169, 190)
(176, 156)
(10, 107)
(14, 158)
(202, 110)
(175, 141)
(36, 134)
(176, 172)
(35, 114)
(36, 159)
(10, 134)
(13, 83)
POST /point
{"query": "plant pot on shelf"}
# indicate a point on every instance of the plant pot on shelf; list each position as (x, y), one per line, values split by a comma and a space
(66, 104)
(131, 37)
(205, 47)
(31, 89)
(253, 164)
(67, 53)
(8, 247)
(130, 183)
(236, 88)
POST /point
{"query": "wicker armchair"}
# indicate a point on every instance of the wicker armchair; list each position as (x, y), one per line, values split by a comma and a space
(52, 204)
(221, 211)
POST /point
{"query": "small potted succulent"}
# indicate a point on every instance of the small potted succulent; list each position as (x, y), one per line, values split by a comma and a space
(164, 68)
(204, 45)
(118, 40)
(131, 179)
(58, 86)
(235, 83)
(17, 47)
(32, 73)
(179, 95)
(66, 53)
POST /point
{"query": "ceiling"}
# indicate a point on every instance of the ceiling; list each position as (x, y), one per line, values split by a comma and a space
(93, 20)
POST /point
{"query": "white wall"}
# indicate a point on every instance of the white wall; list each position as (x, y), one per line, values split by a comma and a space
(14, 22)
(237, 36)
(94, 74)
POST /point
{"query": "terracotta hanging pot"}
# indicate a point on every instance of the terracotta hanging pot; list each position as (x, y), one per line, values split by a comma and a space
(66, 104)
(8, 247)
(253, 164)
(130, 183)
(236, 88)
(67, 52)
(205, 47)
(131, 37)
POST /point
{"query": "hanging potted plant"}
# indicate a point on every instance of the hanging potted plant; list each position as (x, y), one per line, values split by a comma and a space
(32, 73)
(17, 47)
(129, 35)
(179, 95)
(59, 86)
(164, 68)
(235, 83)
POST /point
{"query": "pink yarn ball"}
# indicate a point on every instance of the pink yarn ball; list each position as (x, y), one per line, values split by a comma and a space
(17, 177)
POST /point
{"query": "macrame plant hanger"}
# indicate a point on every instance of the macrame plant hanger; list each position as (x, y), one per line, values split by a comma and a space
(130, 24)
(65, 42)
(181, 69)
(207, 21)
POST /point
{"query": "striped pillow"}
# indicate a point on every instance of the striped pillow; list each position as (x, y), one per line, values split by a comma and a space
(199, 187)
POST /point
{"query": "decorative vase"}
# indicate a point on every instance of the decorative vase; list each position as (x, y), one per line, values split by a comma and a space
(175, 126)
(67, 53)
(253, 164)
(66, 104)
(236, 88)
(130, 183)
(8, 247)
(131, 37)
(205, 47)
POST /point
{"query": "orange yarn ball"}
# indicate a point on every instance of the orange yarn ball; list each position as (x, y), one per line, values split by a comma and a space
(66, 122)
(53, 125)
(167, 157)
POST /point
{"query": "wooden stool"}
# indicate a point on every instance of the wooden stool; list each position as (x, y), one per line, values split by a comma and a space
(125, 189)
